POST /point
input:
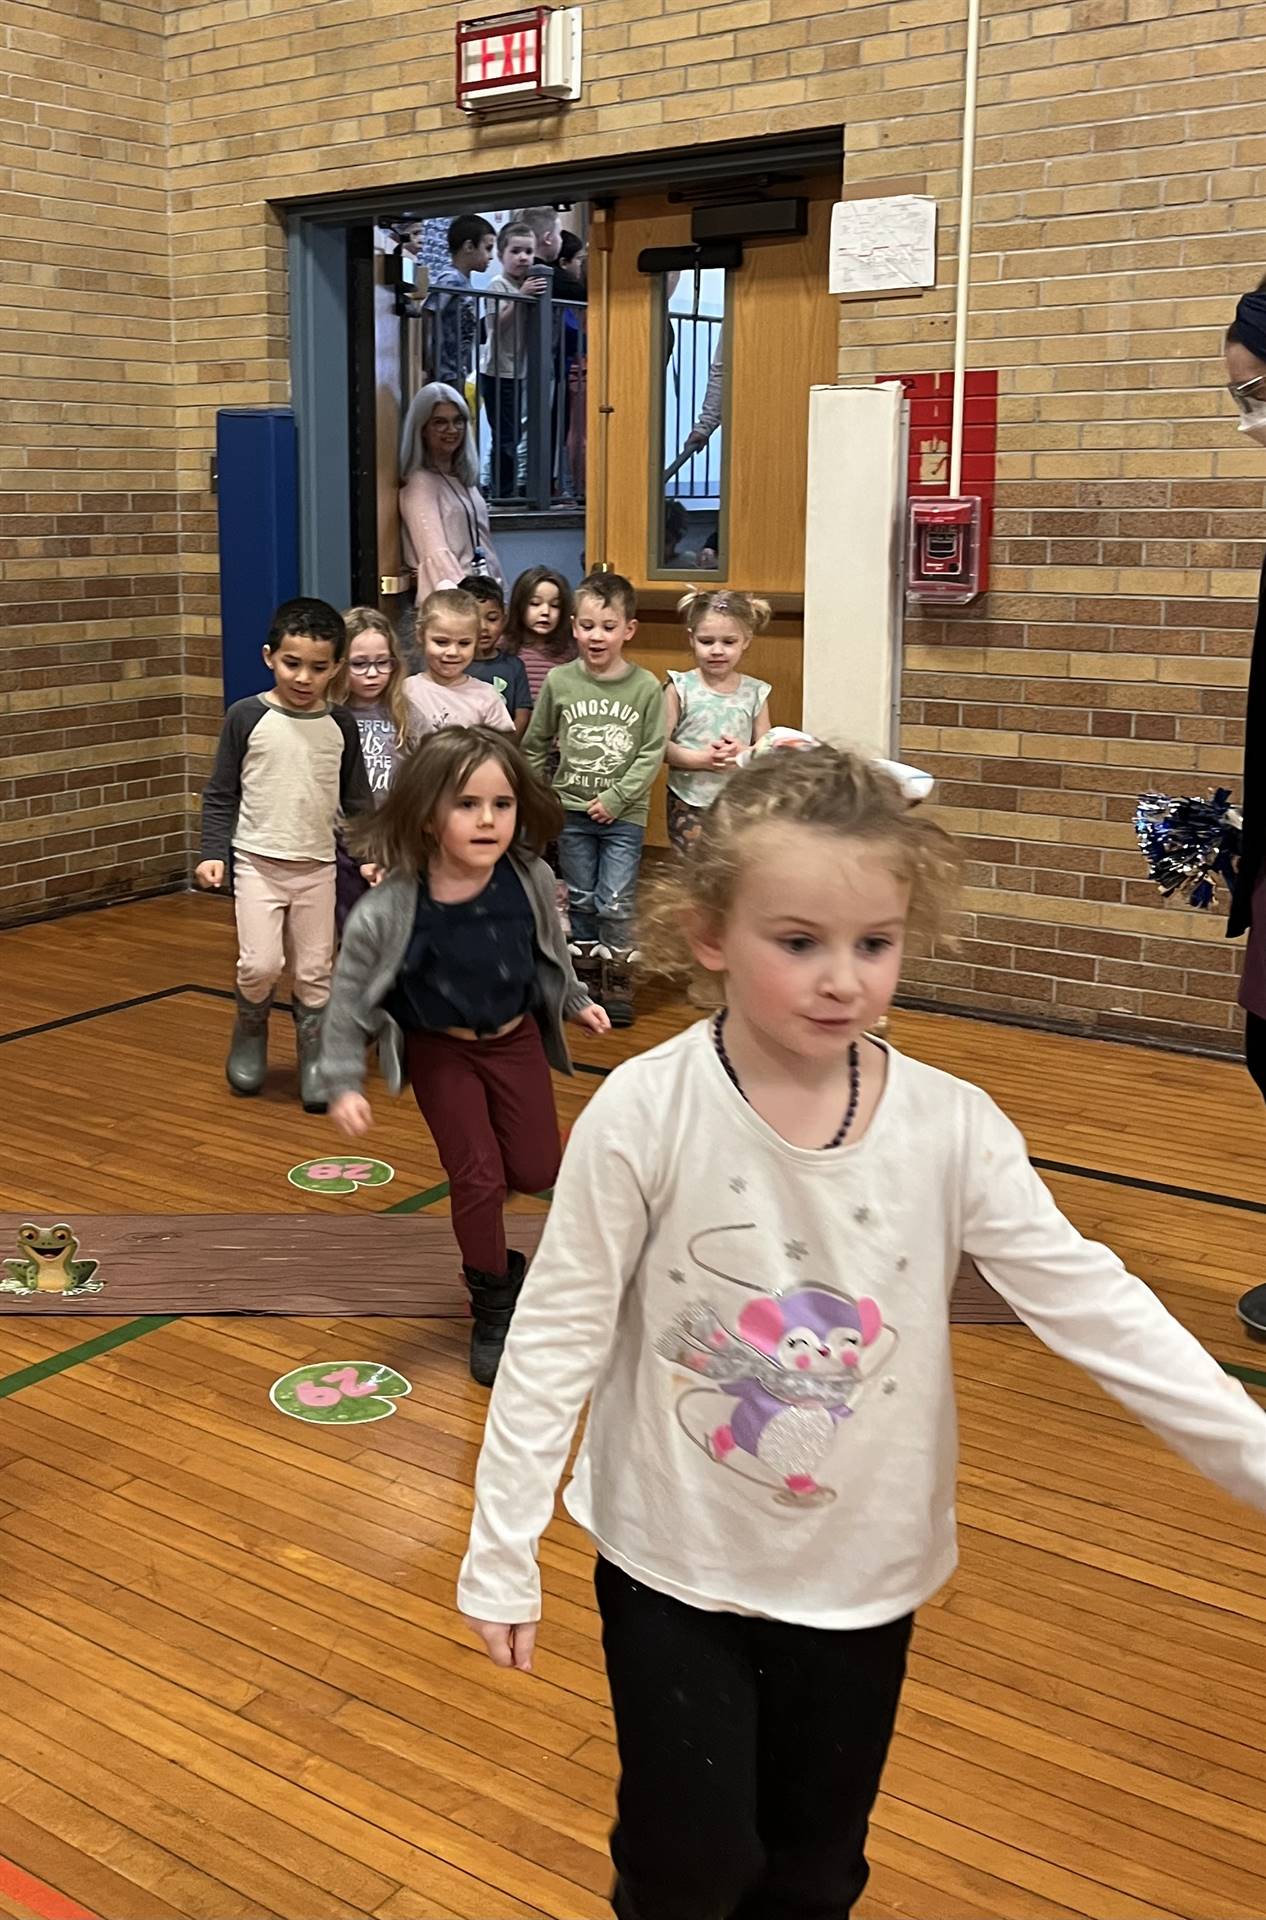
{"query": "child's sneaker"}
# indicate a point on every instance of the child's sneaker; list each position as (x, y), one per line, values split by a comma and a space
(586, 959)
(617, 983)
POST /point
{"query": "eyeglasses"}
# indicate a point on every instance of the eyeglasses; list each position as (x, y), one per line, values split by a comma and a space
(1250, 394)
(370, 666)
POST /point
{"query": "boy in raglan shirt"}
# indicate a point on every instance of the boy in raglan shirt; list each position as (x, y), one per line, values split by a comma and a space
(607, 717)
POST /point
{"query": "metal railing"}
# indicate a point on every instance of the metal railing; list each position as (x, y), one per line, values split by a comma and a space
(519, 361)
(694, 385)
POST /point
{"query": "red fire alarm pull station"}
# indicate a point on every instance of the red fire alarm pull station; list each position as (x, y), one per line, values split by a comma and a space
(943, 551)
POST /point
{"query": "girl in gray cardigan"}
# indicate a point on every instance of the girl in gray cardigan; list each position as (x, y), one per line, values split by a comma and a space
(457, 967)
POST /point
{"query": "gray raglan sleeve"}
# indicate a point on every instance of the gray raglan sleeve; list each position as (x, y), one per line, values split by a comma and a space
(222, 795)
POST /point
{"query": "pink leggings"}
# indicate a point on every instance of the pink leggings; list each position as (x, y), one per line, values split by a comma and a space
(490, 1107)
(285, 910)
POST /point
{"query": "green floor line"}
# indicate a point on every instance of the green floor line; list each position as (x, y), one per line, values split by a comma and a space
(86, 1350)
(416, 1201)
(1251, 1376)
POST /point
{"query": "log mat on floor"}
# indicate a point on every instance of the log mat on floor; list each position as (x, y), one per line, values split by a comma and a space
(393, 1265)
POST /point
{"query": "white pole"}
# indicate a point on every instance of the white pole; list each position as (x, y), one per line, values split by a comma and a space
(963, 293)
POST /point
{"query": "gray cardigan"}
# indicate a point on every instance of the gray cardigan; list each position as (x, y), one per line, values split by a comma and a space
(375, 942)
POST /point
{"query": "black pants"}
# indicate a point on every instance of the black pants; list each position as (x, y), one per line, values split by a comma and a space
(503, 403)
(751, 1753)
(1255, 1049)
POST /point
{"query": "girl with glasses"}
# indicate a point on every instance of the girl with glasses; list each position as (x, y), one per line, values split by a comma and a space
(370, 684)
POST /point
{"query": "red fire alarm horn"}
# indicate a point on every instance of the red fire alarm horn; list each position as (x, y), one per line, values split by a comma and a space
(943, 551)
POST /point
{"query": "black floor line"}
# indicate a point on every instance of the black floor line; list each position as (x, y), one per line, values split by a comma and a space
(123, 1006)
(1152, 1186)
(1229, 1200)
(94, 1013)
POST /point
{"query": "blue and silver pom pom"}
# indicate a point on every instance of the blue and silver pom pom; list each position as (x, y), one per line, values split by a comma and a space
(1189, 844)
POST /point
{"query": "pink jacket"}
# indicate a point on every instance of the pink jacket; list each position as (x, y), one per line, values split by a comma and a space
(439, 516)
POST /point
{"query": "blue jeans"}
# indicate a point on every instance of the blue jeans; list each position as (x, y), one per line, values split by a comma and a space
(599, 862)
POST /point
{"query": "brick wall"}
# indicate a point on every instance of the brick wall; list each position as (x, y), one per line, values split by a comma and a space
(1122, 164)
(93, 781)
(1119, 213)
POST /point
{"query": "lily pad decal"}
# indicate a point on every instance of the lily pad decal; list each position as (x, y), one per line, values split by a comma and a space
(346, 1393)
(342, 1173)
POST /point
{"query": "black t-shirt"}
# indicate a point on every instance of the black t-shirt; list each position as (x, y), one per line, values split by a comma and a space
(469, 963)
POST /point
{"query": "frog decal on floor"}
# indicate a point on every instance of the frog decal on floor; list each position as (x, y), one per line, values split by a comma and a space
(47, 1264)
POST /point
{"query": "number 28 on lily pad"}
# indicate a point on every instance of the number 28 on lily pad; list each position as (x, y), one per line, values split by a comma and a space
(341, 1174)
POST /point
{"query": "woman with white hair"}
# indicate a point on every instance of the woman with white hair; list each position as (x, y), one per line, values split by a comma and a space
(442, 512)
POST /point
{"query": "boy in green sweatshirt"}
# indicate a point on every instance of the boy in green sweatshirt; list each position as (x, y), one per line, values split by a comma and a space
(607, 717)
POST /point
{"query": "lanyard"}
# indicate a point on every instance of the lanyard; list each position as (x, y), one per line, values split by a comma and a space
(472, 524)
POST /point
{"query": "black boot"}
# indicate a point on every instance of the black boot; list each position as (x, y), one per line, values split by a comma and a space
(492, 1301)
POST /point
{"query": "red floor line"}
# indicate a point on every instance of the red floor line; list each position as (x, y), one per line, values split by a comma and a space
(42, 1900)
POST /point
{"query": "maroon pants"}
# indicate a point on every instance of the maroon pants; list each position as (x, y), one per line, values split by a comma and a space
(490, 1107)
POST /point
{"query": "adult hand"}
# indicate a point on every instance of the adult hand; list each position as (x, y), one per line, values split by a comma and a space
(507, 1646)
(596, 1018)
(598, 812)
(352, 1115)
(209, 873)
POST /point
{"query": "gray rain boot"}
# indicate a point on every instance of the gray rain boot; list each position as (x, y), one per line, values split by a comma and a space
(308, 1042)
(492, 1301)
(248, 1050)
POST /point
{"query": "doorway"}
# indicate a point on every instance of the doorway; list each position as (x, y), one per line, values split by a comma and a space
(350, 339)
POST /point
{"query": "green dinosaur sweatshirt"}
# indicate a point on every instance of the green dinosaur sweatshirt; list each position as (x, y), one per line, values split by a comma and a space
(610, 736)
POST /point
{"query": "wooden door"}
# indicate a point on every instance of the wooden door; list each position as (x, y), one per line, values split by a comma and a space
(783, 333)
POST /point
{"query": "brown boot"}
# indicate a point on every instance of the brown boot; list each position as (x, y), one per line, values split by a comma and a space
(617, 984)
(586, 959)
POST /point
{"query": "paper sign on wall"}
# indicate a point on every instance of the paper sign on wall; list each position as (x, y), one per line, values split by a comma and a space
(884, 245)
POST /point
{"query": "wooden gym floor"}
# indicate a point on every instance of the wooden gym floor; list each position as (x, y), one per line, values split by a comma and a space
(231, 1679)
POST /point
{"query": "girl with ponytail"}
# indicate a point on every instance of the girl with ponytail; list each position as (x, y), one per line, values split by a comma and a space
(714, 711)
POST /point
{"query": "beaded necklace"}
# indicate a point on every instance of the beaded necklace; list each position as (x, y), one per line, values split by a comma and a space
(854, 1077)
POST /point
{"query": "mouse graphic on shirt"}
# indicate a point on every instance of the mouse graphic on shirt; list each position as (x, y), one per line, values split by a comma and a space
(781, 1383)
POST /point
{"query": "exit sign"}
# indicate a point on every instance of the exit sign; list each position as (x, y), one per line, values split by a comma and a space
(516, 59)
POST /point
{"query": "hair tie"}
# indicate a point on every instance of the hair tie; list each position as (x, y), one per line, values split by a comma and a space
(720, 603)
(1250, 322)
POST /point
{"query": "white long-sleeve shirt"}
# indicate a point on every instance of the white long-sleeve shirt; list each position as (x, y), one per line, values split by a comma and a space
(764, 1330)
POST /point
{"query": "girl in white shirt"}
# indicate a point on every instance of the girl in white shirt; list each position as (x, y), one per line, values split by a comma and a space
(747, 1267)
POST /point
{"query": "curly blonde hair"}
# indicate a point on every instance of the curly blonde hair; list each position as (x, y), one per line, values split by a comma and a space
(746, 609)
(820, 787)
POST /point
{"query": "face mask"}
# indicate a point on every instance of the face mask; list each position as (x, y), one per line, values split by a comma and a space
(1254, 425)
